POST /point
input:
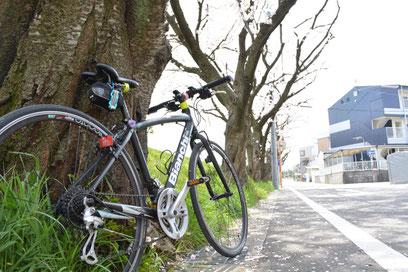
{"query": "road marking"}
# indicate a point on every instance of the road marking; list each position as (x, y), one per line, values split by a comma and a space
(385, 256)
(326, 196)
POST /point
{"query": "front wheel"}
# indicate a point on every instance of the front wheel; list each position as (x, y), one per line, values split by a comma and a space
(219, 205)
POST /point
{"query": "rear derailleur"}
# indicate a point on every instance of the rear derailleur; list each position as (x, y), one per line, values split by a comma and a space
(78, 206)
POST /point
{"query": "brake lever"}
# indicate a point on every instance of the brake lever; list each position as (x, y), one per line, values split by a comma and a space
(172, 106)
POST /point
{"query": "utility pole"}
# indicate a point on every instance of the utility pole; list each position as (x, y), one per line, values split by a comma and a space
(274, 160)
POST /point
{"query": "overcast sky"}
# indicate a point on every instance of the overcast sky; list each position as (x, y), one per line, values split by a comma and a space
(370, 48)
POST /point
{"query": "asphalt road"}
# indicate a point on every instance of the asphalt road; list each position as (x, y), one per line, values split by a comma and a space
(320, 227)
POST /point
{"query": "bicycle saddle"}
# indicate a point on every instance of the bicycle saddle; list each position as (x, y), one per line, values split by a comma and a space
(104, 73)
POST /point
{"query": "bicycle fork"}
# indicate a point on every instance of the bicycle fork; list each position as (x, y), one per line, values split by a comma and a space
(211, 158)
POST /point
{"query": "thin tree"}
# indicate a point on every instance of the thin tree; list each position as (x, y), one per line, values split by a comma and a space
(256, 62)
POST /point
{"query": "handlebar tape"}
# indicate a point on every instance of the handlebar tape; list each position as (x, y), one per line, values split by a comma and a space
(170, 105)
(218, 82)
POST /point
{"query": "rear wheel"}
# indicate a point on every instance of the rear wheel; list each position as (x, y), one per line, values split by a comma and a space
(44, 149)
(223, 217)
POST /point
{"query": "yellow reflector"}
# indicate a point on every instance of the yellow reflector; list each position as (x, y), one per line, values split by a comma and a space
(126, 88)
(183, 105)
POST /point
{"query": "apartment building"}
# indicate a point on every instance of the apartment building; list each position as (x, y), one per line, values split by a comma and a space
(366, 125)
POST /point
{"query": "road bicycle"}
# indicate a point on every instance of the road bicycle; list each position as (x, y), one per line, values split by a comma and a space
(87, 181)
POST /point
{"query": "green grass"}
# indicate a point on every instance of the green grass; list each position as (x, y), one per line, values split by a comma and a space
(32, 240)
(256, 191)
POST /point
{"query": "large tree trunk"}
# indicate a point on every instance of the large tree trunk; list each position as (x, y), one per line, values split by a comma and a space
(259, 163)
(236, 137)
(45, 45)
(46, 48)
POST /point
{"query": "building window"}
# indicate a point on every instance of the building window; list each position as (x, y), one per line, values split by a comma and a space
(302, 153)
(405, 101)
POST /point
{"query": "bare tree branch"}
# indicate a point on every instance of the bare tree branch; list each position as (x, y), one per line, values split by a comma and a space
(212, 54)
(243, 53)
(263, 35)
(245, 20)
(209, 72)
(251, 77)
(220, 114)
(200, 19)
(191, 70)
(267, 71)
(318, 14)
(323, 40)
(172, 21)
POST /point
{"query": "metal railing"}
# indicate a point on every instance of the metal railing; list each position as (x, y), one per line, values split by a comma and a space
(396, 132)
(355, 166)
(365, 165)
(405, 101)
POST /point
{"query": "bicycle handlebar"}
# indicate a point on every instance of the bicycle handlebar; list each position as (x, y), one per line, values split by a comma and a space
(218, 82)
(203, 91)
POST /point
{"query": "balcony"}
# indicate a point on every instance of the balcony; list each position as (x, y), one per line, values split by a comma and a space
(397, 135)
(405, 102)
(355, 166)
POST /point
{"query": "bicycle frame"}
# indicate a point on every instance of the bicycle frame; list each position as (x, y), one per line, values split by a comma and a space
(189, 135)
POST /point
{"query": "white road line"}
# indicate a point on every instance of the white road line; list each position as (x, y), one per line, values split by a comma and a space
(385, 256)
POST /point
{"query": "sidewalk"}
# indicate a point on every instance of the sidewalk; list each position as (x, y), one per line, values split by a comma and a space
(285, 234)
(207, 259)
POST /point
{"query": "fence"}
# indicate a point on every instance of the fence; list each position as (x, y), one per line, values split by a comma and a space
(355, 166)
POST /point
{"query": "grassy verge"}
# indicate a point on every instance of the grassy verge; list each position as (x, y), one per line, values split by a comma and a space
(256, 191)
(32, 240)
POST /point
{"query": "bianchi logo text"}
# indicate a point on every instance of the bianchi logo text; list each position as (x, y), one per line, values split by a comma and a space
(179, 160)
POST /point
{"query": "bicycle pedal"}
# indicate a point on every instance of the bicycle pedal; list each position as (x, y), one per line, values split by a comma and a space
(106, 141)
(198, 181)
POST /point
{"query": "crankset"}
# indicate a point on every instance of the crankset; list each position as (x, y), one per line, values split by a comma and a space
(173, 220)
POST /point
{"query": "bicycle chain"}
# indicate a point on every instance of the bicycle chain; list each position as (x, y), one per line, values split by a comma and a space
(123, 195)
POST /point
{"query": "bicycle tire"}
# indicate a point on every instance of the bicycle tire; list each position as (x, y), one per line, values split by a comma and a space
(224, 222)
(44, 148)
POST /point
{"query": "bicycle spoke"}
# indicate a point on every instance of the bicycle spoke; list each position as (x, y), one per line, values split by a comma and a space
(225, 224)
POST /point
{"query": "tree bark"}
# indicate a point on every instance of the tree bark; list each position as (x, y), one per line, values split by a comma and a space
(54, 41)
(236, 137)
(45, 45)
